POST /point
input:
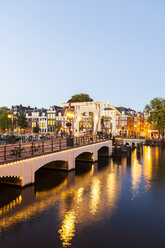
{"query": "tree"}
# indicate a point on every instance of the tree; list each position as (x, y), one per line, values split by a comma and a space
(81, 98)
(36, 129)
(155, 111)
(58, 126)
(4, 109)
(21, 120)
(5, 121)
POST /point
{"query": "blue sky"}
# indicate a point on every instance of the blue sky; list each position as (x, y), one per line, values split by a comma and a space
(112, 50)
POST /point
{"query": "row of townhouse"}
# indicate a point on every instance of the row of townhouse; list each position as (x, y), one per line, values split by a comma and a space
(46, 119)
(54, 114)
(89, 117)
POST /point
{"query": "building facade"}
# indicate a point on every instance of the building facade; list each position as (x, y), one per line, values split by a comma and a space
(131, 123)
(56, 118)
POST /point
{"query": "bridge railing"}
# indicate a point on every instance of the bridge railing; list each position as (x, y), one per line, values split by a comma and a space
(19, 151)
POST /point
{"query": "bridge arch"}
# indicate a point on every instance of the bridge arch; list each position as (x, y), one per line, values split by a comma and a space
(83, 163)
(55, 165)
(49, 160)
(128, 143)
(85, 156)
(104, 151)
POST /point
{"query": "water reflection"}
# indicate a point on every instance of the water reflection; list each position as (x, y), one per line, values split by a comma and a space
(82, 199)
(147, 170)
(78, 201)
(67, 230)
(113, 185)
(79, 194)
(93, 202)
(136, 170)
(10, 205)
(143, 168)
(95, 195)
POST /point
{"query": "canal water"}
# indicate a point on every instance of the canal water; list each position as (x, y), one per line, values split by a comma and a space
(106, 204)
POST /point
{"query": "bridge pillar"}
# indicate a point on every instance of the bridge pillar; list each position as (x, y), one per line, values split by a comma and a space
(95, 155)
(110, 148)
(27, 172)
(71, 160)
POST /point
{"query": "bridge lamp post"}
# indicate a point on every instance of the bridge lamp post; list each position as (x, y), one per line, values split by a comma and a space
(70, 116)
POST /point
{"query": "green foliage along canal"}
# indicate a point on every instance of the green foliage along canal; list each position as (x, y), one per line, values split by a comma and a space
(108, 204)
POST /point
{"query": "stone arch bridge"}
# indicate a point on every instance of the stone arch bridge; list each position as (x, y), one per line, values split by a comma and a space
(133, 142)
(24, 170)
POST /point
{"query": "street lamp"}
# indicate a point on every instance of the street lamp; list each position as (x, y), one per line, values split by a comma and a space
(70, 116)
(10, 116)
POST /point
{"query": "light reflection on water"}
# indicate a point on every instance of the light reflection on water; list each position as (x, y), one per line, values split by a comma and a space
(136, 170)
(95, 195)
(147, 167)
(67, 230)
(84, 200)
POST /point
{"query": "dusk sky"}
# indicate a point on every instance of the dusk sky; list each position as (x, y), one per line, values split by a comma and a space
(112, 50)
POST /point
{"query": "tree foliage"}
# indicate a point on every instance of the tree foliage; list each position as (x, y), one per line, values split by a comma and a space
(4, 109)
(81, 98)
(5, 121)
(155, 111)
(21, 120)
